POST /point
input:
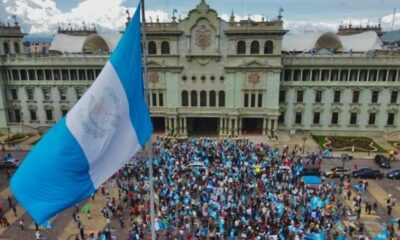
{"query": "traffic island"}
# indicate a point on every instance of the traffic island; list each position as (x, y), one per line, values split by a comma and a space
(348, 144)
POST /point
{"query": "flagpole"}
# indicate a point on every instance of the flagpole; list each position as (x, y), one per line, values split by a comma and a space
(148, 146)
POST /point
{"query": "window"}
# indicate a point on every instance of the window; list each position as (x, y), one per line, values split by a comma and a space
(14, 94)
(241, 47)
(363, 75)
(325, 75)
(318, 96)
(246, 100)
(372, 75)
(33, 115)
(316, 117)
(65, 74)
(353, 75)
(17, 115)
(255, 47)
(252, 100)
(203, 99)
(336, 96)
(193, 98)
(213, 101)
(152, 48)
(40, 74)
(306, 75)
(73, 75)
(49, 114)
(269, 47)
(392, 76)
(29, 94)
(90, 74)
(374, 96)
(6, 48)
(353, 118)
(288, 75)
(15, 75)
(56, 74)
(371, 119)
(315, 75)
(344, 75)
(154, 99)
(185, 101)
(97, 72)
(356, 96)
(281, 118)
(259, 100)
(79, 93)
(296, 74)
(298, 117)
(46, 94)
(23, 74)
(299, 97)
(64, 112)
(48, 75)
(165, 47)
(31, 74)
(393, 96)
(335, 118)
(160, 99)
(82, 74)
(390, 120)
(334, 75)
(282, 96)
(382, 76)
(16, 48)
(63, 94)
(221, 99)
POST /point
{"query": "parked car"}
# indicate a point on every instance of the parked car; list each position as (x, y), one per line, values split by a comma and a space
(311, 170)
(337, 172)
(367, 173)
(9, 165)
(394, 174)
(382, 161)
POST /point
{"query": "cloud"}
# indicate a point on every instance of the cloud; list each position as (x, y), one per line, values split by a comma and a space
(43, 16)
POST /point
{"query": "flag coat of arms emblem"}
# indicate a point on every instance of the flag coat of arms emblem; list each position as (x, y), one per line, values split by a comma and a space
(106, 128)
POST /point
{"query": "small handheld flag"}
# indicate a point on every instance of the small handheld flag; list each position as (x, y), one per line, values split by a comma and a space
(105, 129)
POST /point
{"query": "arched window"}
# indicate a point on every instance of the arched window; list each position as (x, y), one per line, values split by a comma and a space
(212, 99)
(193, 98)
(269, 47)
(185, 101)
(241, 47)
(152, 47)
(165, 47)
(255, 47)
(203, 99)
(6, 48)
(16, 48)
(221, 99)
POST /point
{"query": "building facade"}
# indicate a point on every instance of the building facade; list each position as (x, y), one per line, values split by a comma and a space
(208, 76)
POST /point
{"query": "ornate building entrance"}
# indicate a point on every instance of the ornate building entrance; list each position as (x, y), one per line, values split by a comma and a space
(202, 126)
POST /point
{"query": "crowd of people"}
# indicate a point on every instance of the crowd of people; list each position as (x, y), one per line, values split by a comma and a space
(225, 189)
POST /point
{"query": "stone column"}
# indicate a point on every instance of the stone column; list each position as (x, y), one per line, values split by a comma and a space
(166, 125)
(240, 126)
(269, 125)
(235, 130)
(264, 129)
(185, 125)
(221, 126)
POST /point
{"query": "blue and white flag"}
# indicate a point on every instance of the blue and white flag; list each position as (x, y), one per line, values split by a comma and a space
(105, 129)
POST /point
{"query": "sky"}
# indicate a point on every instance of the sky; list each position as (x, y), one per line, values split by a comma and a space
(43, 16)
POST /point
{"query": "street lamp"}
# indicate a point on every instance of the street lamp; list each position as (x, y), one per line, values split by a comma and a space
(304, 143)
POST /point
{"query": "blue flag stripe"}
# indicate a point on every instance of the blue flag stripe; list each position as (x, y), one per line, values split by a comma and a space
(123, 63)
(69, 173)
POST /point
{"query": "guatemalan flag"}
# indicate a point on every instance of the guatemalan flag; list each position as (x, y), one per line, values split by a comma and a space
(105, 129)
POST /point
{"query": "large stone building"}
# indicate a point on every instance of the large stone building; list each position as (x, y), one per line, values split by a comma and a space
(211, 76)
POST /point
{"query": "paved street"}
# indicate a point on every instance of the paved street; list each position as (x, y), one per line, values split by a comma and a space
(63, 227)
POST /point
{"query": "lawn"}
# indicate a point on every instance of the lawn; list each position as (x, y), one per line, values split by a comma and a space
(17, 138)
(339, 143)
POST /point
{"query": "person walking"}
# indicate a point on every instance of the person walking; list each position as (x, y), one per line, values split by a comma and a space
(14, 210)
(21, 224)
